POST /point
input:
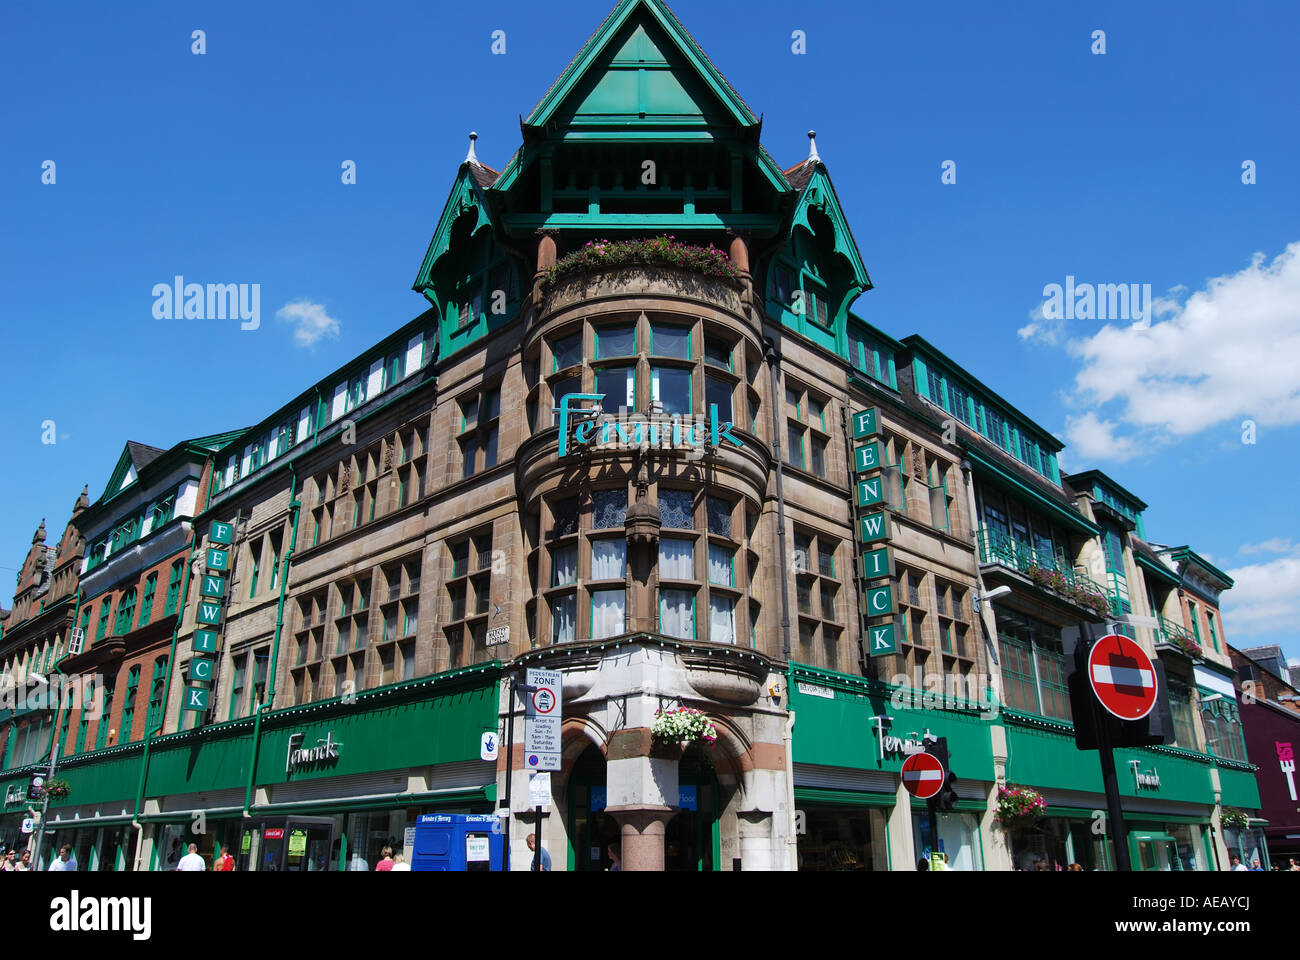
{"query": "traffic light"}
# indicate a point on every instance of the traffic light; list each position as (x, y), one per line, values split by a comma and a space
(35, 787)
(946, 798)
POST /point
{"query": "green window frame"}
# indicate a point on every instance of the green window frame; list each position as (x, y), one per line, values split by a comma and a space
(565, 346)
(125, 613)
(105, 718)
(1019, 686)
(1214, 636)
(63, 732)
(410, 618)
(146, 604)
(275, 562)
(676, 329)
(239, 667)
(695, 630)
(104, 608)
(1196, 621)
(128, 708)
(156, 693)
(174, 588)
(82, 726)
(609, 328)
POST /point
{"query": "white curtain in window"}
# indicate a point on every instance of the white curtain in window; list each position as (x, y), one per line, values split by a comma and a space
(608, 559)
(720, 565)
(722, 620)
(676, 559)
(606, 613)
(564, 565)
(675, 608)
(563, 620)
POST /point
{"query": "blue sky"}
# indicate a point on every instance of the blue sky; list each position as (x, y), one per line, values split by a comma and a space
(1122, 167)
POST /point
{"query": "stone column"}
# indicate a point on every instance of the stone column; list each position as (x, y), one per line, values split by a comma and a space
(642, 829)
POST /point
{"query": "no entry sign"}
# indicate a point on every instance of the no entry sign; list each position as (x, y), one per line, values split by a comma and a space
(923, 775)
(1122, 676)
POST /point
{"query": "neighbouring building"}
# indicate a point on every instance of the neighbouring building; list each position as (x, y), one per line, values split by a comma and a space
(1270, 716)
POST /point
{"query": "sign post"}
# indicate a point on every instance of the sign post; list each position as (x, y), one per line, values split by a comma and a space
(543, 699)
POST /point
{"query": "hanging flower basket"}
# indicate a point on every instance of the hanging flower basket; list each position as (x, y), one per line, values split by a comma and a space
(1234, 819)
(683, 725)
(665, 252)
(56, 789)
(1019, 808)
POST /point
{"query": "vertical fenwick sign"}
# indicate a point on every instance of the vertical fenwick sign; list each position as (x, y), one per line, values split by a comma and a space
(212, 593)
(877, 561)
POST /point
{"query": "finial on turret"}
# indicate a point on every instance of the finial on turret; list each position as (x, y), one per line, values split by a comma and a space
(812, 146)
(471, 157)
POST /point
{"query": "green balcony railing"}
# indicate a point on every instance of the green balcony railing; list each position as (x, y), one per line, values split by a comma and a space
(1174, 633)
(1045, 570)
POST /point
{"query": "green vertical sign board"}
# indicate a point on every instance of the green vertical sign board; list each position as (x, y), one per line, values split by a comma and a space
(867, 457)
(877, 564)
(209, 612)
(196, 698)
(218, 559)
(866, 423)
(881, 640)
(221, 532)
(874, 526)
(871, 491)
(213, 586)
(205, 641)
(201, 669)
(880, 601)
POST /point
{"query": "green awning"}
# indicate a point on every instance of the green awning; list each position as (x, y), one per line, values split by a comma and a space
(846, 798)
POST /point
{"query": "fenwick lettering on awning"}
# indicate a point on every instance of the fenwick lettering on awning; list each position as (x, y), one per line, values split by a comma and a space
(638, 431)
(300, 756)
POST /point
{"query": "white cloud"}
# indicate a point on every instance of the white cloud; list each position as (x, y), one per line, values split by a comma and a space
(1274, 545)
(310, 322)
(1049, 331)
(1090, 438)
(1227, 353)
(1265, 598)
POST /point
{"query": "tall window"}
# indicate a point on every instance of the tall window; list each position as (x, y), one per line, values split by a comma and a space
(104, 608)
(128, 708)
(239, 673)
(125, 613)
(255, 560)
(480, 415)
(146, 604)
(1034, 667)
(106, 715)
(807, 433)
(156, 687)
(174, 588)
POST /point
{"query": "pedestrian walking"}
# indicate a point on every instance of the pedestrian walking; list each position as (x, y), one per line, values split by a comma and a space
(538, 853)
(192, 862)
(65, 860)
(385, 863)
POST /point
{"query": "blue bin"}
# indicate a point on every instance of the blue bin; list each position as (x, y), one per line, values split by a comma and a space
(458, 841)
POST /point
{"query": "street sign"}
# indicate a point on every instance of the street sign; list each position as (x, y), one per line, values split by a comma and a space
(542, 709)
(866, 423)
(866, 457)
(487, 748)
(539, 790)
(923, 775)
(29, 825)
(871, 491)
(880, 601)
(1122, 676)
(873, 526)
(877, 564)
(882, 640)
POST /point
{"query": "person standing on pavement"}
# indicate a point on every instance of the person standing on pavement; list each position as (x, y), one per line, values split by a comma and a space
(65, 860)
(385, 863)
(192, 862)
(538, 852)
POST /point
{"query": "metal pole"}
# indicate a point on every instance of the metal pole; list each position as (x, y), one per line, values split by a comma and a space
(45, 795)
(932, 808)
(537, 854)
(510, 765)
(1105, 753)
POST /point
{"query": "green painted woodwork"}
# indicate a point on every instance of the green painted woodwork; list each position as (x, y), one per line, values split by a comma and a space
(837, 730)
(94, 779)
(994, 474)
(1239, 789)
(824, 796)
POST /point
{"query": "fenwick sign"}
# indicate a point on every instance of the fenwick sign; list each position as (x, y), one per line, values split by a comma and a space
(638, 431)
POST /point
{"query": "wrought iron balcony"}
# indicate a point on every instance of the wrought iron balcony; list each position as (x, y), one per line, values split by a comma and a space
(1045, 570)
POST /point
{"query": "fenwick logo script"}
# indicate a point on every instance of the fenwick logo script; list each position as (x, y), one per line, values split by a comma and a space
(636, 431)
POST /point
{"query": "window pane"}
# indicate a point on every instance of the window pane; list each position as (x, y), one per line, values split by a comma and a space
(675, 613)
(720, 566)
(671, 387)
(676, 509)
(817, 447)
(794, 438)
(490, 449)
(717, 352)
(561, 389)
(618, 386)
(792, 402)
(826, 559)
(608, 559)
(722, 620)
(606, 613)
(469, 413)
(676, 559)
(564, 565)
(719, 511)
(671, 341)
(608, 509)
(619, 341)
(567, 351)
(828, 600)
(563, 619)
(803, 588)
(817, 412)
(492, 401)
(717, 392)
(565, 516)
(802, 551)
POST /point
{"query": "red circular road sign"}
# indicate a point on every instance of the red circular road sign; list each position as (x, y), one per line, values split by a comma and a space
(1122, 676)
(922, 775)
(544, 701)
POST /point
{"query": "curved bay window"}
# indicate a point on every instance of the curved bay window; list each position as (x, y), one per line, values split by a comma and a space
(695, 586)
(672, 364)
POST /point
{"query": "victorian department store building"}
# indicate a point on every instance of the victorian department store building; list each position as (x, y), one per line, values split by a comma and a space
(416, 528)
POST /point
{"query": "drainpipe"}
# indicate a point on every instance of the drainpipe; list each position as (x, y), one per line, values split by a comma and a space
(295, 505)
(167, 687)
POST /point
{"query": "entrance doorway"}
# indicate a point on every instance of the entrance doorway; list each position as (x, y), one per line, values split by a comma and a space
(293, 844)
(1155, 851)
(691, 838)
